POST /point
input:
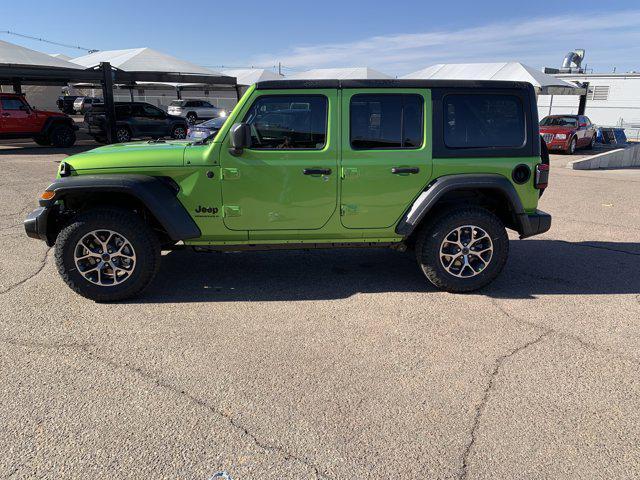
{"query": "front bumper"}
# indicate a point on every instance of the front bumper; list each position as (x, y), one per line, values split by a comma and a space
(533, 223)
(35, 225)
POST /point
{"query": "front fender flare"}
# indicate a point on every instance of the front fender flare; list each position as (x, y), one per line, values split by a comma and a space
(155, 194)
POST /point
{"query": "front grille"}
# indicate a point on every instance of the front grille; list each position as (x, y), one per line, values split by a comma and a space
(547, 137)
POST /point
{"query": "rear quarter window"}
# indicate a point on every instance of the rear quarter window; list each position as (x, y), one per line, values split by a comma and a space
(483, 121)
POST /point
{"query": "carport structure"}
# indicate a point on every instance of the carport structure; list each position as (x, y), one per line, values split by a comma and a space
(543, 83)
(21, 66)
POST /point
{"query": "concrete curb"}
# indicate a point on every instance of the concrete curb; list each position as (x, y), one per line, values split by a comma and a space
(628, 157)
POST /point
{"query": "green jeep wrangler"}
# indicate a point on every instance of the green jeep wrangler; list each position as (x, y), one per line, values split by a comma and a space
(440, 167)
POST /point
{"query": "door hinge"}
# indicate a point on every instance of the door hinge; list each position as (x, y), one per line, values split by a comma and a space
(231, 211)
(348, 210)
(349, 172)
(230, 173)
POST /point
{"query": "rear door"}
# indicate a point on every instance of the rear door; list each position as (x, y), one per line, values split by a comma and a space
(386, 154)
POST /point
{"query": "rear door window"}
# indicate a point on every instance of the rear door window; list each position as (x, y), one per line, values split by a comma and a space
(483, 121)
(386, 121)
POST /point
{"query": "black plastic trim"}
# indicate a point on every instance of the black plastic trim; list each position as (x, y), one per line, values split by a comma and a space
(154, 193)
(35, 225)
(448, 183)
(391, 83)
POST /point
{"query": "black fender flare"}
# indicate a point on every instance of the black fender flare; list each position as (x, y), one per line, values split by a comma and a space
(52, 122)
(447, 183)
(154, 193)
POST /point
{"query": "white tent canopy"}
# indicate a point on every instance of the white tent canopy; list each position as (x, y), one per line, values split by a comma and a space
(513, 71)
(352, 73)
(61, 56)
(12, 54)
(142, 60)
(249, 76)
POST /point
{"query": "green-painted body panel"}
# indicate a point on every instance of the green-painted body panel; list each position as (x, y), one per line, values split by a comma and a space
(502, 165)
(372, 196)
(263, 197)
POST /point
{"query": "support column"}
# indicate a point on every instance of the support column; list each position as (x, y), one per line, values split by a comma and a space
(109, 105)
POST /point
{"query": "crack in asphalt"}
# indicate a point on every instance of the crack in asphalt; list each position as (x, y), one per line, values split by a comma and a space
(567, 336)
(599, 247)
(158, 382)
(24, 280)
(485, 398)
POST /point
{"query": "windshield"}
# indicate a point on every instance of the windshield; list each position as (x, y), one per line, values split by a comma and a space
(214, 123)
(559, 122)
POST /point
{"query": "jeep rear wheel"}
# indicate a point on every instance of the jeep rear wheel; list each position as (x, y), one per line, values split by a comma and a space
(62, 136)
(462, 250)
(107, 254)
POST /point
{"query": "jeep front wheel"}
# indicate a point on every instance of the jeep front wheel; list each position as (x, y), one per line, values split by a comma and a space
(107, 254)
(463, 250)
(62, 136)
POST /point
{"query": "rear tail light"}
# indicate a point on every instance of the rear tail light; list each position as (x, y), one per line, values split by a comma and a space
(542, 176)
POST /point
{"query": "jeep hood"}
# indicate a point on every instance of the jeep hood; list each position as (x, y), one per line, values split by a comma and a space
(131, 155)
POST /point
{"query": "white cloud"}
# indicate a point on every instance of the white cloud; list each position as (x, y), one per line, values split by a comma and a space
(610, 39)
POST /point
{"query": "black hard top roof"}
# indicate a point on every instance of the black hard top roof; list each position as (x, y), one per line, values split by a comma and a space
(391, 83)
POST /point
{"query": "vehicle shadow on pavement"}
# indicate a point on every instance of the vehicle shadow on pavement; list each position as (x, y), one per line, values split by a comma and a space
(33, 150)
(535, 267)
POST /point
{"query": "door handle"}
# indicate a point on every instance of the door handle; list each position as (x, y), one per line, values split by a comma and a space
(401, 170)
(317, 171)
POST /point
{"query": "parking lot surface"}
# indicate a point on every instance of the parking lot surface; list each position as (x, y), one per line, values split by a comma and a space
(329, 364)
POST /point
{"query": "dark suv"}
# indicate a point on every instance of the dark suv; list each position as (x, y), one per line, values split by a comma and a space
(135, 120)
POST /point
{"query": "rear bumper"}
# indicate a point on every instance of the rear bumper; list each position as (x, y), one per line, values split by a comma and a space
(35, 225)
(533, 224)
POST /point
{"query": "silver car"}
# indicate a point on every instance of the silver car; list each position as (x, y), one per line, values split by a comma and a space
(194, 110)
(82, 104)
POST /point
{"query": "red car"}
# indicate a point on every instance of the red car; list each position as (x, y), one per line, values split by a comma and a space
(567, 132)
(19, 120)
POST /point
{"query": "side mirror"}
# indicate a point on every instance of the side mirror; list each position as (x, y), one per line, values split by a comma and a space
(240, 138)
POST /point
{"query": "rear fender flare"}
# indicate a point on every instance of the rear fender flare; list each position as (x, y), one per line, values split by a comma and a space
(442, 185)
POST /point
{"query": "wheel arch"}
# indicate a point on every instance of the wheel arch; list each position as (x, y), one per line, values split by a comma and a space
(491, 191)
(52, 122)
(152, 197)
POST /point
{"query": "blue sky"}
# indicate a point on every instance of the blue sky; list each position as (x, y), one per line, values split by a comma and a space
(396, 37)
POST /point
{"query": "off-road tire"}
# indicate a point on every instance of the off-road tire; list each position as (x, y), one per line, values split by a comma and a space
(42, 140)
(434, 232)
(142, 238)
(62, 136)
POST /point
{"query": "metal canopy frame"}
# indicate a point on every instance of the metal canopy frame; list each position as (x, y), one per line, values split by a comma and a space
(103, 76)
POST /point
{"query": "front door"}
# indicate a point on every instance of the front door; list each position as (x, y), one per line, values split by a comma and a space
(386, 154)
(287, 179)
(15, 115)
